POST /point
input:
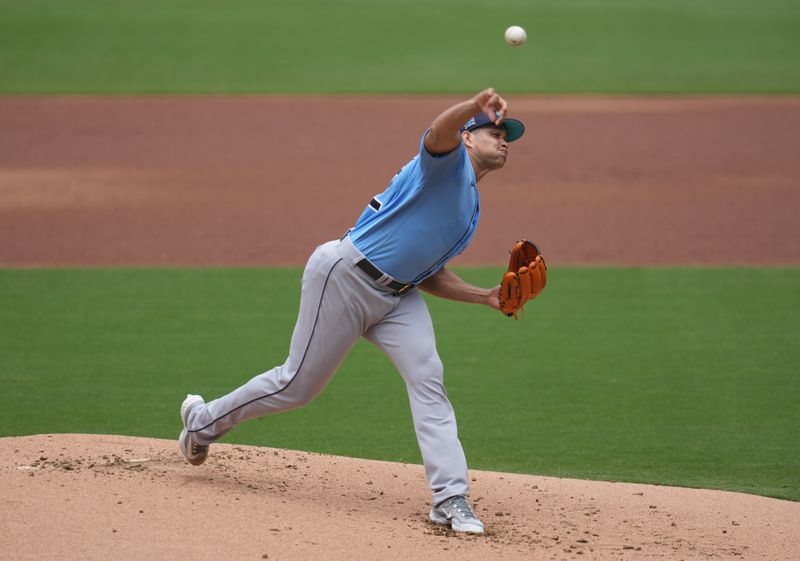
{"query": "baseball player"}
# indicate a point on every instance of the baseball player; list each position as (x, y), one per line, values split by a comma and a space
(367, 284)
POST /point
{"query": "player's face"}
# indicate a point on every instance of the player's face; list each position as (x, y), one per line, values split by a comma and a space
(488, 146)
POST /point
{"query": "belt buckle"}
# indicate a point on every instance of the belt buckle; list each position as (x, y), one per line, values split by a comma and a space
(403, 290)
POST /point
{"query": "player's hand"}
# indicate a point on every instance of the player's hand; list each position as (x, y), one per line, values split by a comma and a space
(493, 300)
(492, 104)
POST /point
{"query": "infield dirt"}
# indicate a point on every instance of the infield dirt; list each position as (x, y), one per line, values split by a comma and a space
(112, 497)
(261, 181)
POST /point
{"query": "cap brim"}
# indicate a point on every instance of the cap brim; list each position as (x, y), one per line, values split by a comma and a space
(514, 129)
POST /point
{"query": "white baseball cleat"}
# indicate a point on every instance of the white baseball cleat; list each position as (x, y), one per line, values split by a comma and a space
(456, 513)
(194, 453)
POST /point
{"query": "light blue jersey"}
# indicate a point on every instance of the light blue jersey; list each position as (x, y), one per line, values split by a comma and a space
(426, 217)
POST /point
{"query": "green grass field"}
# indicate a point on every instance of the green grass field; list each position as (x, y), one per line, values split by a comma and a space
(377, 46)
(681, 376)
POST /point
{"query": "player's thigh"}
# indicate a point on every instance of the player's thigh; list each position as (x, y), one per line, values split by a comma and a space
(406, 335)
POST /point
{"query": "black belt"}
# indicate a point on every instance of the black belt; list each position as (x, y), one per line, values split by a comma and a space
(385, 280)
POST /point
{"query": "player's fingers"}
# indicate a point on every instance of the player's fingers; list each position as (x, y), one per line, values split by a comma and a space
(483, 97)
(490, 103)
(502, 110)
(491, 107)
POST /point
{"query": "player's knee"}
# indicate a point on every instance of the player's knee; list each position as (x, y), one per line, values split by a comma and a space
(303, 400)
(293, 398)
(425, 370)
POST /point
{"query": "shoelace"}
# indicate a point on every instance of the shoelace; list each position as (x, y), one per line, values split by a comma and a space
(460, 504)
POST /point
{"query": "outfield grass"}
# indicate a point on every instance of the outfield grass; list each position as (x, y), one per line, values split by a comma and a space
(374, 46)
(674, 376)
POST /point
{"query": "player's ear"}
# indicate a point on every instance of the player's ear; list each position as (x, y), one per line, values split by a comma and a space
(466, 138)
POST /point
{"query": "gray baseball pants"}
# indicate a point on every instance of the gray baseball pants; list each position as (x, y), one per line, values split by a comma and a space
(340, 303)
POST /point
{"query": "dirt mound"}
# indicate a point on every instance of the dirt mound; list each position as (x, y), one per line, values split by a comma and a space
(113, 497)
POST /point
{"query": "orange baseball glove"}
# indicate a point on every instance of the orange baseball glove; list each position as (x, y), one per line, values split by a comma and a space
(525, 279)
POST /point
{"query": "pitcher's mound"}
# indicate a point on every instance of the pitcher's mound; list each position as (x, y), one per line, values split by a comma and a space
(112, 497)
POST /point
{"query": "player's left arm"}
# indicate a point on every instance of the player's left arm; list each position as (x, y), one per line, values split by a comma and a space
(446, 284)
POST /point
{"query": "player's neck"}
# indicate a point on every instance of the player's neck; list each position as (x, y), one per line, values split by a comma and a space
(478, 169)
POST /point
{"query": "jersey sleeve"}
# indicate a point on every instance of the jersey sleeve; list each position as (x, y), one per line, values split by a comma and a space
(442, 164)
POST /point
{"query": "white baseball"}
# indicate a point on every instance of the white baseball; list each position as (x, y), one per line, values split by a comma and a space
(516, 36)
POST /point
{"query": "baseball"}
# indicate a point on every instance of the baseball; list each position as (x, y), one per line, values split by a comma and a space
(515, 36)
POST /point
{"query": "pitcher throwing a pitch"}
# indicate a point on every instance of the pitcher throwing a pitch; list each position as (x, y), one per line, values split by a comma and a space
(367, 284)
